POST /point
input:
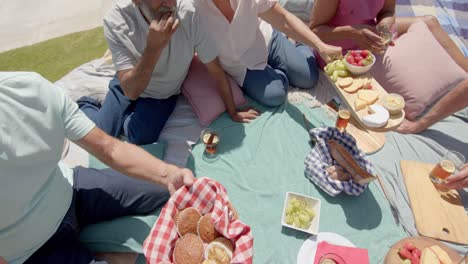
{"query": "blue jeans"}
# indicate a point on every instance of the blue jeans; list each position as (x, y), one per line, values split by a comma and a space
(288, 64)
(98, 195)
(141, 121)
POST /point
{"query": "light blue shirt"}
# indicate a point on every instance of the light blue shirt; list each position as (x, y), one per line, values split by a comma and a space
(35, 187)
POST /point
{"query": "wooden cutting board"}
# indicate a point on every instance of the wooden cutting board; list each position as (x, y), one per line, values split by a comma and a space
(349, 98)
(368, 141)
(437, 215)
(421, 243)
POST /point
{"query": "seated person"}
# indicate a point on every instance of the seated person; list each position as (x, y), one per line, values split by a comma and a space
(352, 24)
(254, 52)
(452, 102)
(458, 180)
(43, 203)
(152, 51)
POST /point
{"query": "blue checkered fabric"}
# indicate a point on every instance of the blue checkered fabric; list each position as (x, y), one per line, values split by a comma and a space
(452, 15)
(319, 159)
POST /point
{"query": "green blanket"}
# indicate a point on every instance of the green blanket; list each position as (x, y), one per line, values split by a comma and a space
(261, 161)
(258, 163)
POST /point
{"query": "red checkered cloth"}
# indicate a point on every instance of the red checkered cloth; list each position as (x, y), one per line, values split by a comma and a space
(207, 196)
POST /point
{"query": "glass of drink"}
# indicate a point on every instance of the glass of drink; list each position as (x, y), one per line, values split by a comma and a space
(385, 34)
(210, 138)
(449, 164)
(344, 114)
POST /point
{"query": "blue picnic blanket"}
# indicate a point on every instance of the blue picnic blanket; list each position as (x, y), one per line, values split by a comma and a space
(452, 15)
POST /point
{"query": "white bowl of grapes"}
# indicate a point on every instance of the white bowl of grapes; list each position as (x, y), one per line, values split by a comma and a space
(301, 213)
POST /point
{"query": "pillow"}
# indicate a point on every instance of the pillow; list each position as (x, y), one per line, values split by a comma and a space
(201, 91)
(418, 68)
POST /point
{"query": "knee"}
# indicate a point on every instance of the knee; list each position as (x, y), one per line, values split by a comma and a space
(276, 93)
(431, 21)
(308, 78)
(152, 199)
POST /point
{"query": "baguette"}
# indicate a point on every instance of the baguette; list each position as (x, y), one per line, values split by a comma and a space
(346, 160)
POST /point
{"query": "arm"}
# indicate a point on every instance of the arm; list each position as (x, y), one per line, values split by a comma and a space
(386, 16)
(224, 89)
(453, 101)
(292, 26)
(134, 161)
(364, 35)
(134, 81)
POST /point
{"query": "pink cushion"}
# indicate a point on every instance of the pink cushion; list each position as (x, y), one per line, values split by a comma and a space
(418, 68)
(201, 91)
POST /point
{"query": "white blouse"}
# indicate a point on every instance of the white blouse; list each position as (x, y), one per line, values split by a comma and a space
(243, 43)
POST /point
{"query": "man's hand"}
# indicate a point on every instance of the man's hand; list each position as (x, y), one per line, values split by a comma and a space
(458, 180)
(410, 127)
(178, 177)
(161, 30)
(330, 53)
(245, 115)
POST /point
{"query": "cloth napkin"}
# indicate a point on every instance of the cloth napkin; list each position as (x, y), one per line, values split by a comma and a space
(341, 254)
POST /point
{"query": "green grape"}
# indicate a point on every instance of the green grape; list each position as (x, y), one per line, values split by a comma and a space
(329, 69)
(369, 58)
(304, 217)
(343, 73)
(340, 65)
(334, 76)
(366, 62)
(289, 220)
(310, 212)
(289, 209)
(297, 222)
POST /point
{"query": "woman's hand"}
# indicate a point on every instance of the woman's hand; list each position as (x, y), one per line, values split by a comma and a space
(330, 53)
(245, 115)
(366, 38)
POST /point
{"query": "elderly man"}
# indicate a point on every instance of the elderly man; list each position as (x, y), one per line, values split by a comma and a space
(153, 43)
(43, 203)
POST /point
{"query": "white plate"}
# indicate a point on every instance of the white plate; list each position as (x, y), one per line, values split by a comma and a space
(306, 254)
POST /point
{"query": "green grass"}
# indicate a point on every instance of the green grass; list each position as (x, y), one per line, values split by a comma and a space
(56, 57)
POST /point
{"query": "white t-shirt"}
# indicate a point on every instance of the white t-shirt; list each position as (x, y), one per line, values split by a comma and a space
(244, 43)
(35, 187)
(126, 32)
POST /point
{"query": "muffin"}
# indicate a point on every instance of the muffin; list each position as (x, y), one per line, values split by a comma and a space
(187, 221)
(188, 250)
(220, 251)
(206, 229)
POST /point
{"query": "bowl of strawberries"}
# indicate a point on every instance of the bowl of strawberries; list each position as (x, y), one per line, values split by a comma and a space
(359, 61)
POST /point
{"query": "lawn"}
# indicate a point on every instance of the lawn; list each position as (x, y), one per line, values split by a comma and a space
(56, 57)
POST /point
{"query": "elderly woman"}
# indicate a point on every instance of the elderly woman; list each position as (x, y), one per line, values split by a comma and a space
(353, 24)
(254, 52)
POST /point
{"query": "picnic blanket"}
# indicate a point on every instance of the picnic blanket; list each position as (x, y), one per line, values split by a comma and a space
(452, 15)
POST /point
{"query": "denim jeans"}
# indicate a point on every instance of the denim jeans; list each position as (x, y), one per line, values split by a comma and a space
(288, 64)
(141, 121)
(98, 195)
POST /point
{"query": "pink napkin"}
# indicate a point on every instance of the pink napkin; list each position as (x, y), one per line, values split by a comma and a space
(341, 254)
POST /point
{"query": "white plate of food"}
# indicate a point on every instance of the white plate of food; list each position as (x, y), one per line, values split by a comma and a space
(306, 254)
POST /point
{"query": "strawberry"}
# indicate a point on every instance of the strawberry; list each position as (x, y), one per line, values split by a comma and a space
(365, 53)
(368, 86)
(358, 58)
(354, 53)
(361, 63)
(415, 260)
(409, 246)
(404, 253)
(355, 64)
(350, 59)
(416, 252)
